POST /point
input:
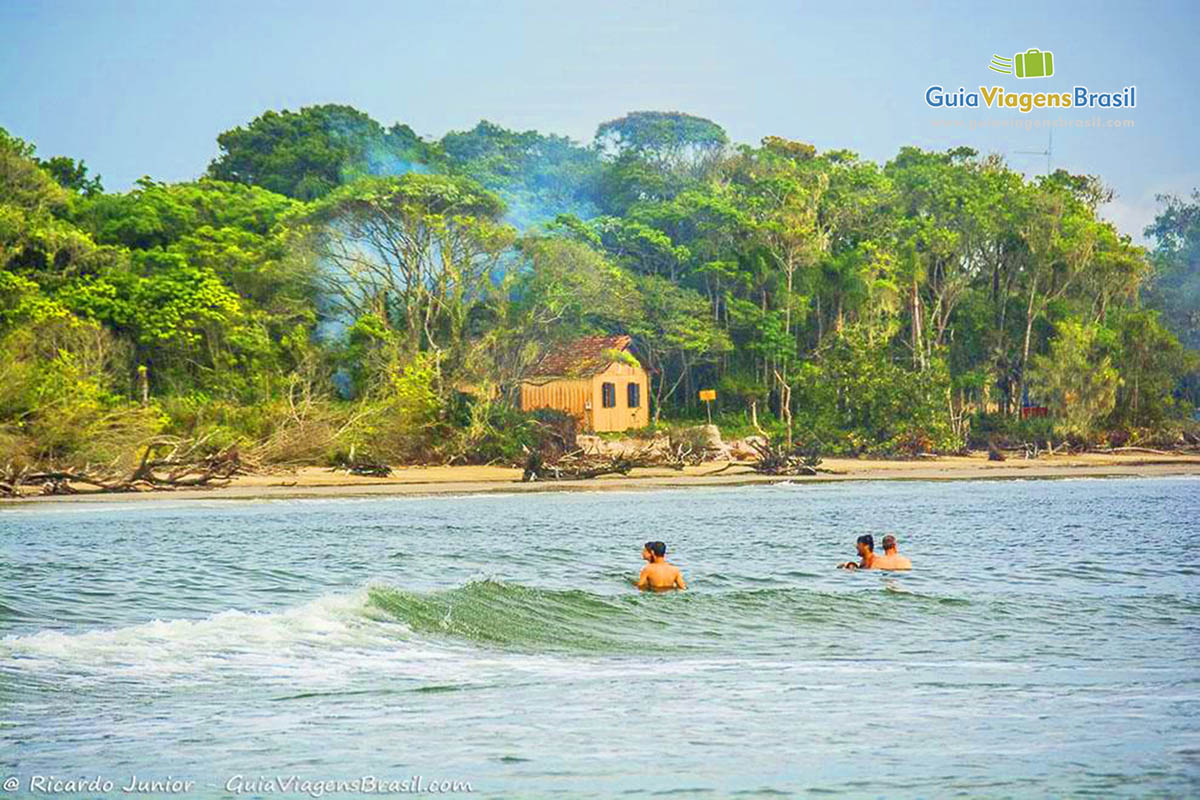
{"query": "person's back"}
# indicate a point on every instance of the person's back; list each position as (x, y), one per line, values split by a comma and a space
(658, 575)
(891, 559)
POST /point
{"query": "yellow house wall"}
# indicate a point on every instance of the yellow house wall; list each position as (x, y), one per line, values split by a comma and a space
(621, 417)
(571, 396)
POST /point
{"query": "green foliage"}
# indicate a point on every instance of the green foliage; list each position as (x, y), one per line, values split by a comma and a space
(160, 215)
(418, 404)
(335, 284)
(71, 174)
(309, 153)
(58, 398)
(421, 252)
(857, 398)
(1075, 380)
(669, 140)
(1175, 287)
(673, 335)
(539, 177)
(1149, 360)
(1006, 430)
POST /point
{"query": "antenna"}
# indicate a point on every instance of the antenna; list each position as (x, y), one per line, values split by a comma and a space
(1048, 152)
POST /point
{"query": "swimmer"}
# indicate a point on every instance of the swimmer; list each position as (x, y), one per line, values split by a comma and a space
(890, 560)
(866, 551)
(658, 574)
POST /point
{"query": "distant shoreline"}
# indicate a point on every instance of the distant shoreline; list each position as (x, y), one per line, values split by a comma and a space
(320, 482)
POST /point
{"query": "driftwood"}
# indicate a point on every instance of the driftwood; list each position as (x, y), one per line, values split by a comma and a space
(781, 457)
(357, 463)
(371, 469)
(574, 466)
(579, 465)
(166, 464)
(1149, 450)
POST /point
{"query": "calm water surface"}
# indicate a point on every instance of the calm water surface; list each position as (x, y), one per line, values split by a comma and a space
(1045, 645)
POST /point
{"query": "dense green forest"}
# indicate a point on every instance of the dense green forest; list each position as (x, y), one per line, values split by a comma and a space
(332, 283)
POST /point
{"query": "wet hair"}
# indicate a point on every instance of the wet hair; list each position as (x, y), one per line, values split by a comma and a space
(868, 540)
(657, 548)
(889, 542)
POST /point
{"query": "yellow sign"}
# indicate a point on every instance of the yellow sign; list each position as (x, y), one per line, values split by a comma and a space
(708, 394)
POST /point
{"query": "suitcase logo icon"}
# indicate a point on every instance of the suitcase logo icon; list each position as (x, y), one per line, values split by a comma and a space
(1033, 63)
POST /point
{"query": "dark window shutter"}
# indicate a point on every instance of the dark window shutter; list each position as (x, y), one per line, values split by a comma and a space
(635, 395)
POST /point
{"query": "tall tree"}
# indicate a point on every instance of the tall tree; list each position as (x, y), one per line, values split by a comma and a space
(781, 187)
(308, 153)
(1175, 287)
(417, 252)
(538, 176)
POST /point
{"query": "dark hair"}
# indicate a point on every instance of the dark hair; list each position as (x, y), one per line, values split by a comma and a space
(657, 548)
(868, 540)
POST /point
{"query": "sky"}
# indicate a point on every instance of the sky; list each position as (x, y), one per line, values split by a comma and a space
(143, 88)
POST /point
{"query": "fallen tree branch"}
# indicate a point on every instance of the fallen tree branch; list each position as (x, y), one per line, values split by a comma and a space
(188, 468)
(782, 457)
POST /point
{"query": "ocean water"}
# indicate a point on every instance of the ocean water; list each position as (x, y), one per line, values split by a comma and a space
(1047, 644)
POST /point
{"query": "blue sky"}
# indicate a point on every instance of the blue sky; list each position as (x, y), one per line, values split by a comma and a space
(140, 88)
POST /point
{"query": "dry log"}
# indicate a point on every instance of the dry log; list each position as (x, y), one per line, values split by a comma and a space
(575, 466)
(780, 457)
(188, 468)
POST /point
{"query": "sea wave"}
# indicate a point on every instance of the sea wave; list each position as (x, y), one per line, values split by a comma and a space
(189, 645)
(497, 615)
(486, 613)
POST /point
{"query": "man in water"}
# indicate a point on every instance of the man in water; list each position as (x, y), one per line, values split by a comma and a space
(890, 560)
(866, 551)
(658, 574)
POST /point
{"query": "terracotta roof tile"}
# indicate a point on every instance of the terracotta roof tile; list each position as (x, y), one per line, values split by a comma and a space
(580, 358)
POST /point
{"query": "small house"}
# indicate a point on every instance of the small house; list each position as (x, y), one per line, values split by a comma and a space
(596, 380)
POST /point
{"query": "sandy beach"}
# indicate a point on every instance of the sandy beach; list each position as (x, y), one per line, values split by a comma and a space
(443, 480)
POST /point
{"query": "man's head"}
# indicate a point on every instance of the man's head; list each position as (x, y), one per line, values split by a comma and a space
(865, 544)
(653, 550)
(889, 543)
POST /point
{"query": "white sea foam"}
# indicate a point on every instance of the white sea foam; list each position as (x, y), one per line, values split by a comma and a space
(277, 640)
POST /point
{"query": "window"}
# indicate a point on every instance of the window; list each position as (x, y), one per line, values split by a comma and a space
(635, 394)
(608, 395)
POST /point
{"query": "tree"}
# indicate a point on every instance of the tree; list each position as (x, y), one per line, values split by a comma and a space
(673, 335)
(308, 153)
(72, 175)
(560, 289)
(36, 239)
(1150, 360)
(1075, 379)
(1060, 234)
(781, 188)
(938, 235)
(538, 176)
(344, 285)
(417, 251)
(1175, 286)
(671, 141)
(859, 392)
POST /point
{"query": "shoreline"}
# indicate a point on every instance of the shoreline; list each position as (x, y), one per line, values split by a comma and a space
(321, 482)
